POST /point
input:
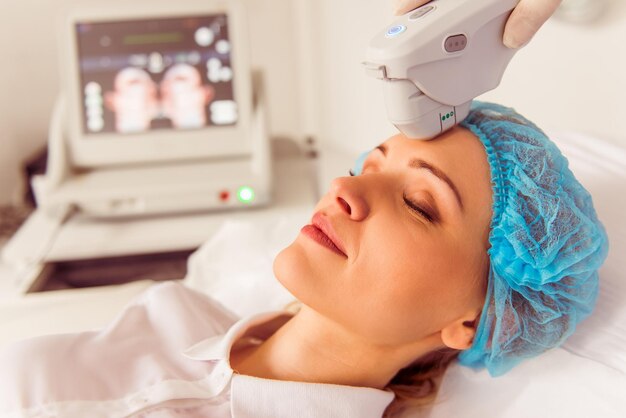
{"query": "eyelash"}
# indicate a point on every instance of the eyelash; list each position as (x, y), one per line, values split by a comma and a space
(415, 208)
(411, 205)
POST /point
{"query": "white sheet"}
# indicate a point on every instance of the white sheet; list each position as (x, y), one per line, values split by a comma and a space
(555, 384)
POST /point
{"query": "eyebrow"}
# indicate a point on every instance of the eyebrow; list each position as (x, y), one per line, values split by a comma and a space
(421, 164)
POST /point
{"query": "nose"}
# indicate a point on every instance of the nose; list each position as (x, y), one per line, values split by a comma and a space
(347, 193)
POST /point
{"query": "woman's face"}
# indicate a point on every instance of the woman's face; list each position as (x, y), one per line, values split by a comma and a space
(413, 228)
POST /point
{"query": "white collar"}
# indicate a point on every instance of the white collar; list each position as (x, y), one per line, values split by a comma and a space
(259, 397)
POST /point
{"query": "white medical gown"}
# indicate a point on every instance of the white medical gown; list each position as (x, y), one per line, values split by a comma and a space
(166, 355)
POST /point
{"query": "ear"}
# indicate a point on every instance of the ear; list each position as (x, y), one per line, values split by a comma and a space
(460, 333)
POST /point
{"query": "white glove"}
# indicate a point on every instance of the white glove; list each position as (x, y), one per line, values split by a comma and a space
(524, 22)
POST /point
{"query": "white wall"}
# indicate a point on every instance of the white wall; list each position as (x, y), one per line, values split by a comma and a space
(352, 112)
(27, 84)
(28, 75)
(571, 77)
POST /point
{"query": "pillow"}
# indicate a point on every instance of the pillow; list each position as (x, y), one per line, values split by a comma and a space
(554, 384)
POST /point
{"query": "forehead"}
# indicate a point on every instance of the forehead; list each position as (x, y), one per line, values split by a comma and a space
(453, 146)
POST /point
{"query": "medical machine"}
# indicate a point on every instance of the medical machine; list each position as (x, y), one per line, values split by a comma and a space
(436, 59)
(160, 113)
(157, 112)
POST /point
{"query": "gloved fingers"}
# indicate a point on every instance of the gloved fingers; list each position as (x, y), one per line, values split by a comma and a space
(403, 6)
(526, 19)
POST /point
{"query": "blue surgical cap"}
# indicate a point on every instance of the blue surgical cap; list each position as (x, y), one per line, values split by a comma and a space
(546, 244)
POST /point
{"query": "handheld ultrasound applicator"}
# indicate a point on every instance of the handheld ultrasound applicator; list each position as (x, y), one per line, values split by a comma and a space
(436, 59)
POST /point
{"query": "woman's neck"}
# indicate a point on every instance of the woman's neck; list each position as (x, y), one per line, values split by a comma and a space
(311, 348)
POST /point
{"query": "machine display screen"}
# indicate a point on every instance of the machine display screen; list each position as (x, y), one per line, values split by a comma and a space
(143, 75)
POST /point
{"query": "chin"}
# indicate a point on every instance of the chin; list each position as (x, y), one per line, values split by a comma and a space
(294, 270)
(285, 266)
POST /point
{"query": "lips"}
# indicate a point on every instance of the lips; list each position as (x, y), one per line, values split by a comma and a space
(322, 231)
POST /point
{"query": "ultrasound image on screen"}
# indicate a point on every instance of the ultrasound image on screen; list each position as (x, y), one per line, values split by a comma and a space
(144, 75)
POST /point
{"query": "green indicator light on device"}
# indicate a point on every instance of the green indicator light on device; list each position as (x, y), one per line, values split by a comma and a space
(245, 194)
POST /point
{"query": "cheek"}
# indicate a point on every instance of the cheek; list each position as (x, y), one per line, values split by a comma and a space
(406, 288)
(401, 292)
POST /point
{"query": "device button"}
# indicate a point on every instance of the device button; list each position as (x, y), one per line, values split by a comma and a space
(421, 12)
(395, 30)
(455, 43)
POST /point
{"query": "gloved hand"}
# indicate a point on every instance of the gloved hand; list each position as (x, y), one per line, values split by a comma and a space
(524, 22)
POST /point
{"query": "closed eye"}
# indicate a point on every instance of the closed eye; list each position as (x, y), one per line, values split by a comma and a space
(415, 207)
(418, 209)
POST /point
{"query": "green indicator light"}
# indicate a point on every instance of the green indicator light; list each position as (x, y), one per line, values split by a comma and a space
(245, 194)
(443, 118)
(451, 113)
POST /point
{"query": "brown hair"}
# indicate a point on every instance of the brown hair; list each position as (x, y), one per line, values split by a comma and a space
(416, 386)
